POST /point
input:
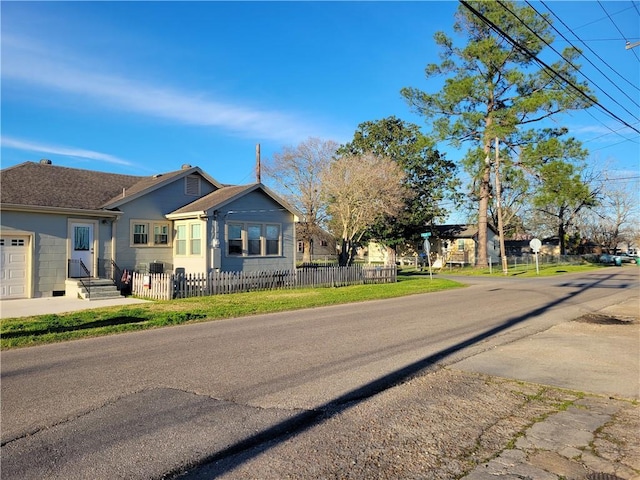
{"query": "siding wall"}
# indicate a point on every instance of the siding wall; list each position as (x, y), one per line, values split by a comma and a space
(152, 207)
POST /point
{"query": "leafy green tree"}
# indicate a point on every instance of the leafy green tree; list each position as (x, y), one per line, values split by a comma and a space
(494, 89)
(429, 176)
(561, 195)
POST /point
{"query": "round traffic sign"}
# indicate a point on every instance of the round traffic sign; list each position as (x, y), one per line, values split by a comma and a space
(535, 245)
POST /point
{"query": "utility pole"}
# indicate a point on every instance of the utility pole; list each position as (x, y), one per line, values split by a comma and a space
(503, 255)
(258, 166)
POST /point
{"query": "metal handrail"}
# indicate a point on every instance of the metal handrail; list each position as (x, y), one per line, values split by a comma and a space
(87, 274)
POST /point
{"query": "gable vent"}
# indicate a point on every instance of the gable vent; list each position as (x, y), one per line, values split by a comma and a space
(192, 185)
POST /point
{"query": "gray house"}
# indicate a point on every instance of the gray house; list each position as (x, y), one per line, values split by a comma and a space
(59, 223)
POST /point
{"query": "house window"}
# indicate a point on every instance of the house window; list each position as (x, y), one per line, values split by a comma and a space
(192, 185)
(142, 236)
(181, 240)
(161, 234)
(195, 239)
(300, 247)
(324, 243)
(272, 239)
(253, 239)
(234, 239)
(461, 244)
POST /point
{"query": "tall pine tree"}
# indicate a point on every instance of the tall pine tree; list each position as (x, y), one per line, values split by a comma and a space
(494, 88)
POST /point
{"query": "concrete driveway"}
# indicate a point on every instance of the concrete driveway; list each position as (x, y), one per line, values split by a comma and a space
(42, 306)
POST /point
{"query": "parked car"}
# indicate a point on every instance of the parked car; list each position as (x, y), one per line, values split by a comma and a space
(620, 258)
(607, 258)
(626, 258)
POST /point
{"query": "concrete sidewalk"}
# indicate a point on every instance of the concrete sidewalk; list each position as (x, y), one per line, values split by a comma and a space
(596, 438)
(43, 306)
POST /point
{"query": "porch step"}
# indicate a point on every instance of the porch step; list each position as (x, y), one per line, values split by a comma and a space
(100, 289)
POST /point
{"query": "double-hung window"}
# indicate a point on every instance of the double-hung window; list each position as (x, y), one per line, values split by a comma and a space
(254, 239)
(195, 239)
(161, 234)
(140, 234)
(234, 239)
(272, 239)
(181, 240)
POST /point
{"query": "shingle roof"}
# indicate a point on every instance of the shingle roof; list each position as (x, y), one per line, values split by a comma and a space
(38, 184)
(214, 199)
(457, 231)
(46, 185)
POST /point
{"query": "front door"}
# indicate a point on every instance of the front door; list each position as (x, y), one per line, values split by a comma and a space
(81, 249)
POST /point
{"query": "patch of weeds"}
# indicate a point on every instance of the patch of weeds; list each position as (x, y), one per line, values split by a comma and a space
(176, 318)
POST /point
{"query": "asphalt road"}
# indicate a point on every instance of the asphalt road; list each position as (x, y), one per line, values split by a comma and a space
(143, 405)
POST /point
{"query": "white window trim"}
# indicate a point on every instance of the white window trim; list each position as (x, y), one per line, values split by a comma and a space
(245, 240)
(151, 224)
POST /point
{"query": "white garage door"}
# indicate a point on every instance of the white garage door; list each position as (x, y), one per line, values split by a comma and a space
(13, 266)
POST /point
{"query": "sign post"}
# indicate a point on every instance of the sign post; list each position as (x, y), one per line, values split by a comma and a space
(426, 247)
(535, 245)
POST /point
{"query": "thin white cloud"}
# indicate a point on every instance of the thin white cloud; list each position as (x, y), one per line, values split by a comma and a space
(29, 146)
(28, 63)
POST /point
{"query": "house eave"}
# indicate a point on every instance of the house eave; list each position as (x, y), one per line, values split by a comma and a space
(185, 215)
(9, 207)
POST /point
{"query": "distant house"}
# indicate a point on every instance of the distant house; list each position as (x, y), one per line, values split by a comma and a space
(458, 244)
(323, 245)
(517, 248)
(59, 223)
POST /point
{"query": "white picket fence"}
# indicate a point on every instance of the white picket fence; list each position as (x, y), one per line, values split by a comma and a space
(165, 286)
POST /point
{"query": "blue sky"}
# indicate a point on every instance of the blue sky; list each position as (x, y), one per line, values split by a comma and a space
(144, 87)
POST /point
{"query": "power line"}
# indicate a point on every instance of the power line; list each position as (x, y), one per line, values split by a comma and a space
(568, 61)
(587, 46)
(562, 35)
(612, 131)
(583, 40)
(615, 25)
(528, 52)
(602, 18)
(617, 132)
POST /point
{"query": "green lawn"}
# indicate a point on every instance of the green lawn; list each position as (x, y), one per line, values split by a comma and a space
(37, 330)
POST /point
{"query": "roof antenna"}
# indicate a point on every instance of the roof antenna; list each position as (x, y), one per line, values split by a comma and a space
(258, 168)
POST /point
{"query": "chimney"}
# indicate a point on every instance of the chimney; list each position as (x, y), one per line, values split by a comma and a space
(45, 161)
(186, 166)
(258, 167)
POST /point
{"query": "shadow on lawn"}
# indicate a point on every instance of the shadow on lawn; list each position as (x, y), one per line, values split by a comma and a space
(161, 319)
(109, 322)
